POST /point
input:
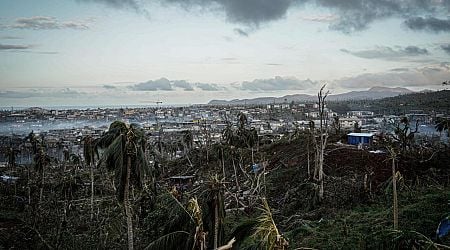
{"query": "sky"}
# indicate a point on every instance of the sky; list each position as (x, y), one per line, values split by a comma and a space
(137, 52)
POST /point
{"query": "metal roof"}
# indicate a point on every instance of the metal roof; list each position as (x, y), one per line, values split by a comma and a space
(362, 134)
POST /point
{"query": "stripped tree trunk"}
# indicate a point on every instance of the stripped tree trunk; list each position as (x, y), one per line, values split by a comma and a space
(126, 203)
(394, 194)
(253, 157)
(216, 223)
(92, 190)
(309, 160)
(321, 145)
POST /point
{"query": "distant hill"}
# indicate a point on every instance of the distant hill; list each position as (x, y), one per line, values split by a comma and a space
(372, 93)
(265, 100)
(427, 101)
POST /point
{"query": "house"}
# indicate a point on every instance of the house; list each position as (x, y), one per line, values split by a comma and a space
(360, 113)
(349, 122)
(360, 138)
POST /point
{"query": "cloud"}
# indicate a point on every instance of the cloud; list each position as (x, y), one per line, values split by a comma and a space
(240, 32)
(165, 84)
(119, 4)
(249, 12)
(277, 83)
(209, 87)
(415, 77)
(109, 87)
(388, 53)
(429, 24)
(446, 47)
(46, 52)
(160, 84)
(183, 85)
(354, 15)
(10, 37)
(320, 18)
(230, 60)
(46, 23)
(399, 69)
(21, 48)
(14, 47)
(34, 93)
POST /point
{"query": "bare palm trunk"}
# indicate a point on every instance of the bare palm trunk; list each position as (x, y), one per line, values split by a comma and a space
(321, 191)
(126, 203)
(216, 225)
(316, 163)
(92, 191)
(309, 161)
(394, 194)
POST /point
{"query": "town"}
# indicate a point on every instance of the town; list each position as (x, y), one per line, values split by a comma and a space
(272, 122)
(253, 148)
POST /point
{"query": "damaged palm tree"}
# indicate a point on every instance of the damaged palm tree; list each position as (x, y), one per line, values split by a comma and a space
(200, 234)
(263, 230)
(189, 238)
(267, 230)
(125, 156)
(216, 208)
(403, 133)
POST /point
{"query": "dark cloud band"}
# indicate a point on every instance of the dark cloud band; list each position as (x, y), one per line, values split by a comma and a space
(388, 53)
(350, 15)
(14, 47)
(430, 24)
(45, 23)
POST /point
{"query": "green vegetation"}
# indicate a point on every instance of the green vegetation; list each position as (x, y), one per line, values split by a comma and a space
(369, 226)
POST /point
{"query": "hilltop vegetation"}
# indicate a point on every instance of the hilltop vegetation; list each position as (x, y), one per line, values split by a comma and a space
(428, 102)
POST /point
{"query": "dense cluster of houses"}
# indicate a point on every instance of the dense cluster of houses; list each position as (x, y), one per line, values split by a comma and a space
(206, 123)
